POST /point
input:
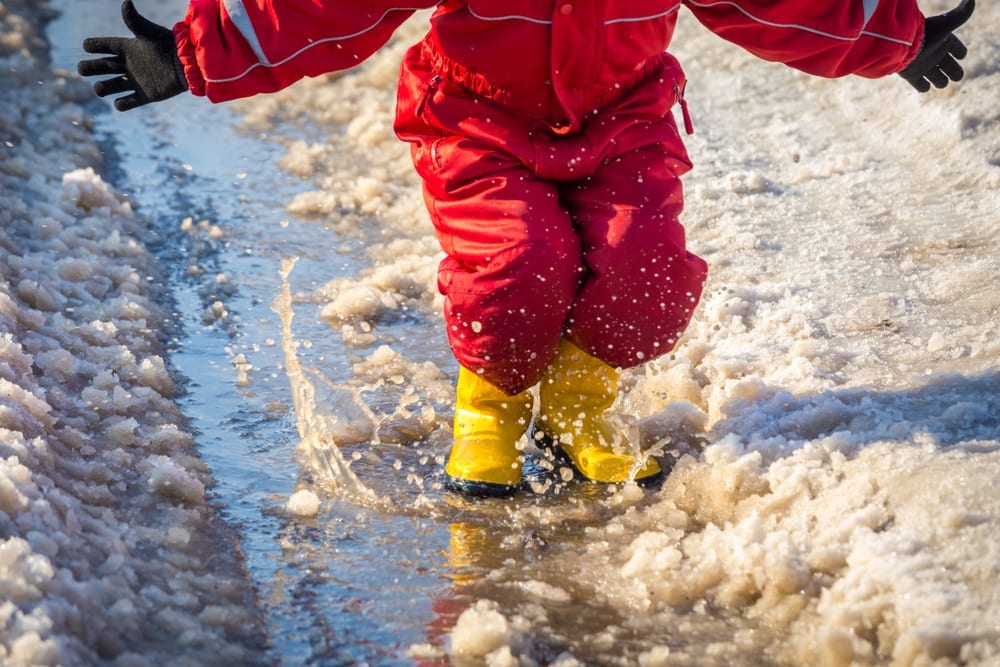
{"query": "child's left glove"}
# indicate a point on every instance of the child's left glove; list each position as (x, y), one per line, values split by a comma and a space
(937, 61)
(148, 65)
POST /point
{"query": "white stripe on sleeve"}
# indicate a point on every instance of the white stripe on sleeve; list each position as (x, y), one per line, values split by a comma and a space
(870, 7)
(238, 15)
(251, 38)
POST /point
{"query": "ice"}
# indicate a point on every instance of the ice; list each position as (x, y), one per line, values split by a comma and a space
(304, 502)
(481, 631)
(170, 479)
(658, 656)
(424, 651)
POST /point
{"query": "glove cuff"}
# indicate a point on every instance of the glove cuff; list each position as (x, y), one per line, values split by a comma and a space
(179, 73)
(919, 39)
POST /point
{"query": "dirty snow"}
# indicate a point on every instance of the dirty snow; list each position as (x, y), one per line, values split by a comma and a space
(833, 413)
(104, 520)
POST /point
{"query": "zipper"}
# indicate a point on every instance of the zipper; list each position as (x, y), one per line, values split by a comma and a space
(426, 92)
(688, 125)
(435, 153)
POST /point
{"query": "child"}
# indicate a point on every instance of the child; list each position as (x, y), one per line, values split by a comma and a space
(543, 132)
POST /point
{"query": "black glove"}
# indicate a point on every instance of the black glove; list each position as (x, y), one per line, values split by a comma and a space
(148, 64)
(937, 61)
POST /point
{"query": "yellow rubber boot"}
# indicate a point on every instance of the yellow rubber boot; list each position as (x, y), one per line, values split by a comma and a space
(485, 459)
(576, 391)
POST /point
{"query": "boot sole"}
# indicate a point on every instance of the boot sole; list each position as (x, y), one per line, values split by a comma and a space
(476, 489)
(555, 453)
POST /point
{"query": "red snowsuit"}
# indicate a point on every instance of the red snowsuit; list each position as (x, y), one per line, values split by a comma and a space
(543, 133)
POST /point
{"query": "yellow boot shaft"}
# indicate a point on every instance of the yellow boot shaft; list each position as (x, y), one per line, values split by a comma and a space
(485, 459)
(576, 391)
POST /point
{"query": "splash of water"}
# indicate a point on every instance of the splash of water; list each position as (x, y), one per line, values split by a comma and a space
(321, 431)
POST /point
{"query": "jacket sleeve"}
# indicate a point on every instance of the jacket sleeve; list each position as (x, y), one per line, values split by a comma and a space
(238, 48)
(829, 38)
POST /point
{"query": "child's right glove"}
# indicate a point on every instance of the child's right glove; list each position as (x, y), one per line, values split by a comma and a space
(148, 65)
(937, 61)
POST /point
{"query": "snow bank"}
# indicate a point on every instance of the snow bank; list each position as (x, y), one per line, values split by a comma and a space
(844, 369)
(109, 550)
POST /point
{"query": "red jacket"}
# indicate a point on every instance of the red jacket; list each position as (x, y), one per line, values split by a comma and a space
(554, 59)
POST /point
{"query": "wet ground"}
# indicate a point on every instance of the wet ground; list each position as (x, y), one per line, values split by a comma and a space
(391, 559)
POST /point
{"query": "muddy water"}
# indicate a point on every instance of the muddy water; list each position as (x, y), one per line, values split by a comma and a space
(390, 560)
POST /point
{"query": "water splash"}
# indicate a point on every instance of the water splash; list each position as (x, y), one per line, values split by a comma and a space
(321, 431)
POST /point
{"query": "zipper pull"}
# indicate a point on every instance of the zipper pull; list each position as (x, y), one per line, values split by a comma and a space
(426, 91)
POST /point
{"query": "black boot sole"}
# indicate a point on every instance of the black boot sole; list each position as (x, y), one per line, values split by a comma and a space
(555, 454)
(476, 489)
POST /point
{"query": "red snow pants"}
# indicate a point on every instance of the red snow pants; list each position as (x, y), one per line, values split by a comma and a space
(549, 234)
